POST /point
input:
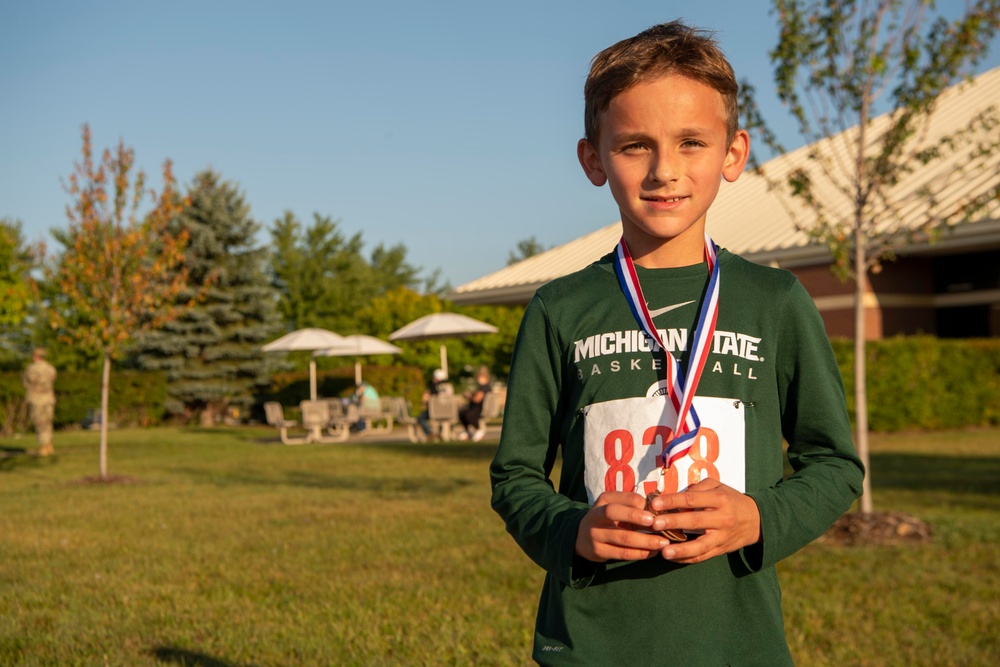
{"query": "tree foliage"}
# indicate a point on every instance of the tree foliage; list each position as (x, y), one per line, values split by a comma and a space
(526, 248)
(322, 277)
(121, 267)
(400, 306)
(837, 63)
(16, 262)
(228, 310)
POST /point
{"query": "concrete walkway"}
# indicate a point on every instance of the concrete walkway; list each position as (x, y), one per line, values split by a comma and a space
(399, 434)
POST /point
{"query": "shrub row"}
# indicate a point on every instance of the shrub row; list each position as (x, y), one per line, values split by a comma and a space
(135, 399)
(925, 383)
(916, 382)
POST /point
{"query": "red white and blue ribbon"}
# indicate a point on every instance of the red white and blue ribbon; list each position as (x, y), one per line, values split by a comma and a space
(681, 387)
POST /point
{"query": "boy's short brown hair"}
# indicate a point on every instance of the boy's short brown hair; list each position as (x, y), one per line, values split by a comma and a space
(668, 48)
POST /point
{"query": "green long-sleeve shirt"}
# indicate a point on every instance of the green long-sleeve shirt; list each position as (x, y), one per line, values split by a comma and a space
(771, 375)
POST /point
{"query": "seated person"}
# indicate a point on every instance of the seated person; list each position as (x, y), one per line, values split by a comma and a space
(366, 398)
(470, 414)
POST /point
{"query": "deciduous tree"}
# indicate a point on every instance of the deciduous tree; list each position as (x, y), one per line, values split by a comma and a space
(323, 278)
(16, 261)
(18, 293)
(837, 63)
(398, 307)
(121, 267)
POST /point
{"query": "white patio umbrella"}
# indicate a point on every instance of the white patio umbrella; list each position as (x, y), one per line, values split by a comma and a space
(310, 340)
(442, 325)
(359, 345)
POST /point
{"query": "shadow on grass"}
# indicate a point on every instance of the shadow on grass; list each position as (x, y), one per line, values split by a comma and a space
(463, 451)
(180, 656)
(459, 450)
(20, 457)
(919, 472)
(425, 486)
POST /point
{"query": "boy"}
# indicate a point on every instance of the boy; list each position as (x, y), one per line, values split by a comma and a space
(594, 373)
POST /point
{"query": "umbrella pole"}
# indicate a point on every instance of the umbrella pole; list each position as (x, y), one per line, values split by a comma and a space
(444, 359)
(312, 379)
(357, 371)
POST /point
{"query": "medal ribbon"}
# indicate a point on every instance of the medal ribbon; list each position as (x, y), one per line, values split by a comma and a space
(680, 389)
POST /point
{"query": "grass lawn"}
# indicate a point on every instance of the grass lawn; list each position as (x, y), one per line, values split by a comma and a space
(227, 549)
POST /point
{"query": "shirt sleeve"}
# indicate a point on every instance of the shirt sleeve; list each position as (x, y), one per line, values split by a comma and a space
(814, 422)
(542, 521)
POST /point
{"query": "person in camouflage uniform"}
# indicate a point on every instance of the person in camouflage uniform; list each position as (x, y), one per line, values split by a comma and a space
(39, 381)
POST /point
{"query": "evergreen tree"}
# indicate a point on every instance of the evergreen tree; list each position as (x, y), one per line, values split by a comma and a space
(211, 353)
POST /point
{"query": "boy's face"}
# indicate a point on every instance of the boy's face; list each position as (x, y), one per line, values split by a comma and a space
(662, 150)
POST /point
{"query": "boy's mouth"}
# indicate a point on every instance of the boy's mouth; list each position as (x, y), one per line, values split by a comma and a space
(665, 200)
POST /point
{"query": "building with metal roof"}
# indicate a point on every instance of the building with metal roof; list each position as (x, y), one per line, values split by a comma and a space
(948, 286)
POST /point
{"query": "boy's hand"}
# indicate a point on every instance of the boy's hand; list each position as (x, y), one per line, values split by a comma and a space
(730, 519)
(608, 529)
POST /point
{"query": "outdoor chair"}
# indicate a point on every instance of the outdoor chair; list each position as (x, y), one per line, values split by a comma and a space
(402, 415)
(443, 412)
(342, 418)
(275, 416)
(377, 419)
(316, 418)
(491, 409)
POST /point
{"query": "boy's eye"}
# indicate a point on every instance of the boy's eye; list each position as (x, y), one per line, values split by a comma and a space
(691, 143)
(636, 146)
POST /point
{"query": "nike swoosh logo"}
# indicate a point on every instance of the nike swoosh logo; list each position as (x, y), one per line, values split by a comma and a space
(660, 311)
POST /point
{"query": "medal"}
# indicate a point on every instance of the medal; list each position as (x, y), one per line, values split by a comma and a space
(670, 534)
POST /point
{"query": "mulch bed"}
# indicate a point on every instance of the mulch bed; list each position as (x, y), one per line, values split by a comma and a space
(877, 528)
(109, 479)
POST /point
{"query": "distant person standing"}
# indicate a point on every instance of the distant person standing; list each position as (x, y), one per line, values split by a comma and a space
(39, 380)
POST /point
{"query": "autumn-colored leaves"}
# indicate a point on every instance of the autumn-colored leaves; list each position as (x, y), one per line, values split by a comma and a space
(123, 264)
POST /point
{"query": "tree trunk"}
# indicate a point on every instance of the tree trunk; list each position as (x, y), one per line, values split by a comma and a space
(105, 391)
(860, 370)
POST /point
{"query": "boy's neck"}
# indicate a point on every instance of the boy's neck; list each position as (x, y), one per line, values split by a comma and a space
(684, 250)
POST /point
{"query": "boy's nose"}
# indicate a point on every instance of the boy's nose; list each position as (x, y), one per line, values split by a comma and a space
(662, 170)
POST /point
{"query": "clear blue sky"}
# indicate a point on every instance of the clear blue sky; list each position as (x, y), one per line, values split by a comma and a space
(449, 127)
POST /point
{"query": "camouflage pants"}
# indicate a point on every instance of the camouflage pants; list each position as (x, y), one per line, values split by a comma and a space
(41, 416)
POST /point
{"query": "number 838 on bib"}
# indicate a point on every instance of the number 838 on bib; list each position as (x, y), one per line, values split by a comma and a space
(625, 441)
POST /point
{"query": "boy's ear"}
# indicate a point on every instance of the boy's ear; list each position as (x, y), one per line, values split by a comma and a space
(736, 158)
(590, 160)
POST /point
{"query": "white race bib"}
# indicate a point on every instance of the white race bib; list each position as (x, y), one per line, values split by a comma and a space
(624, 443)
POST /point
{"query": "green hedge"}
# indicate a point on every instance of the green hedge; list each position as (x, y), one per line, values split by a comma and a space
(925, 383)
(135, 399)
(917, 382)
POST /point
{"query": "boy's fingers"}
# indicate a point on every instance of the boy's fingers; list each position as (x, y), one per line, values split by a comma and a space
(620, 498)
(624, 508)
(692, 520)
(608, 530)
(698, 496)
(632, 545)
(693, 551)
